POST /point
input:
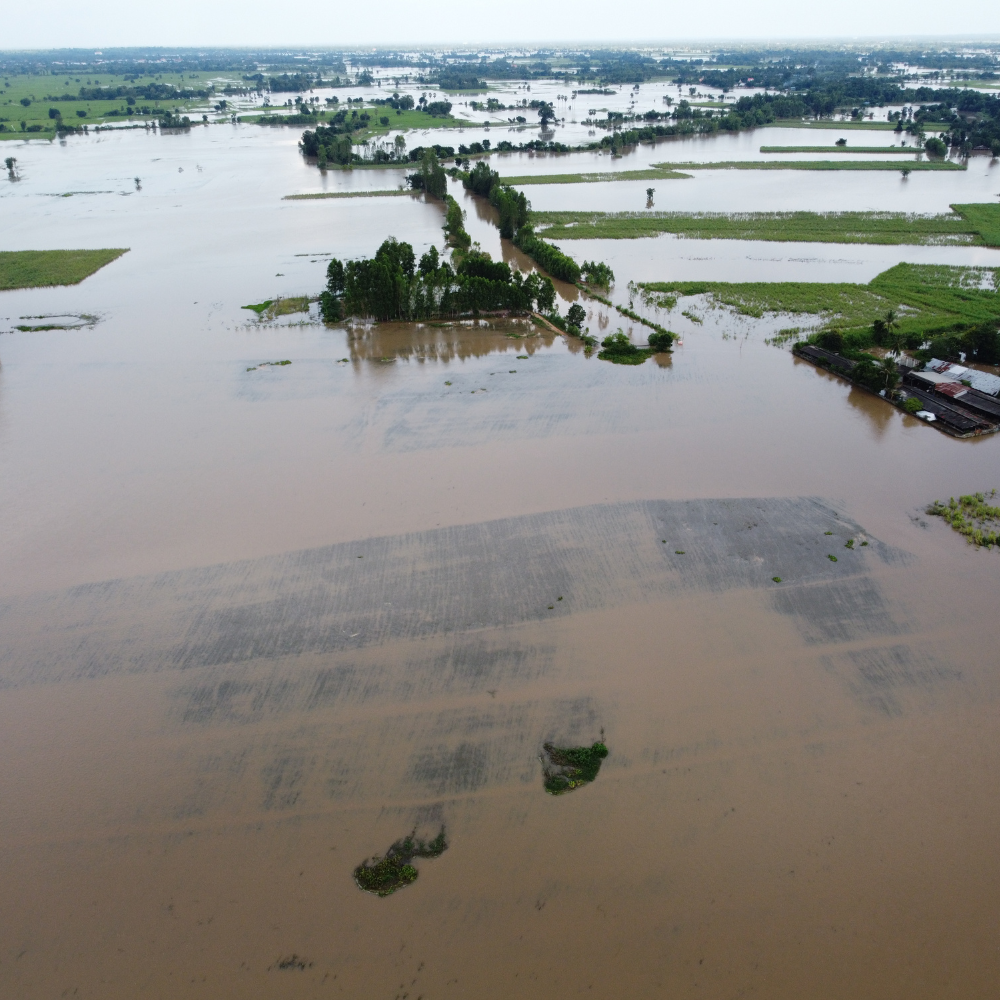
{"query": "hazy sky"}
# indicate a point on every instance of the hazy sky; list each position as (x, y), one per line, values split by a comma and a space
(320, 23)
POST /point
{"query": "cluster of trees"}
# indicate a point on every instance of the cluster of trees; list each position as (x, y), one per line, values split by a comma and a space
(978, 342)
(436, 109)
(145, 92)
(170, 120)
(548, 255)
(512, 206)
(460, 81)
(397, 102)
(431, 177)
(394, 286)
(597, 273)
(331, 143)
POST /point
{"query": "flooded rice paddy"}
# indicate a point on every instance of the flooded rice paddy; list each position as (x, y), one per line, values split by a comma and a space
(258, 625)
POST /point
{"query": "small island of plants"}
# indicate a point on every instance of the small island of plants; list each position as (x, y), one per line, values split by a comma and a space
(383, 876)
(972, 516)
(567, 768)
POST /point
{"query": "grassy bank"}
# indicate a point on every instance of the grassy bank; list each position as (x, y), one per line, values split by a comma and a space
(928, 299)
(972, 224)
(38, 90)
(659, 173)
(841, 149)
(394, 193)
(41, 268)
(869, 125)
(816, 165)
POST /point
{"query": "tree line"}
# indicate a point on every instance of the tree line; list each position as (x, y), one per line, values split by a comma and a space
(394, 286)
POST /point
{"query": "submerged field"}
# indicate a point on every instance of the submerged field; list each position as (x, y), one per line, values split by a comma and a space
(38, 268)
(927, 299)
(815, 165)
(971, 224)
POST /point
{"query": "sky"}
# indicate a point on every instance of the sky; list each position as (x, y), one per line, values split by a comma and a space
(322, 23)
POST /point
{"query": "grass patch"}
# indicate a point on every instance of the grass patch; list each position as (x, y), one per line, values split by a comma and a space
(42, 268)
(929, 299)
(972, 517)
(985, 219)
(863, 125)
(841, 149)
(395, 193)
(619, 350)
(271, 309)
(383, 876)
(567, 768)
(817, 165)
(652, 174)
(970, 224)
(37, 89)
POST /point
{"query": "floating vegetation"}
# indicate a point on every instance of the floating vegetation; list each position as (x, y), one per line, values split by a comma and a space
(566, 768)
(832, 558)
(41, 268)
(271, 309)
(63, 321)
(849, 544)
(972, 224)
(293, 961)
(971, 516)
(776, 579)
(619, 350)
(383, 876)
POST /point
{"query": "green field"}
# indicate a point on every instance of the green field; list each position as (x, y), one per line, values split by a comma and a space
(841, 149)
(928, 299)
(409, 121)
(395, 193)
(816, 165)
(39, 268)
(37, 88)
(824, 123)
(655, 174)
(971, 224)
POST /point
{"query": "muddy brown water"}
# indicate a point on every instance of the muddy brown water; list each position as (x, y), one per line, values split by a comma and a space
(257, 625)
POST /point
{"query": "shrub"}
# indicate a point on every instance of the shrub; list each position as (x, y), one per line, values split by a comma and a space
(621, 351)
(936, 147)
(831, 340)
(661, 343)
(912, 405)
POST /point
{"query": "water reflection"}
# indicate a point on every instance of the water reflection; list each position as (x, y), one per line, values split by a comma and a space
(446, 341)
(880, 414)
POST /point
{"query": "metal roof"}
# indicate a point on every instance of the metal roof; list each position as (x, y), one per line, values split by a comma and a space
(953, 389)
(983, 381)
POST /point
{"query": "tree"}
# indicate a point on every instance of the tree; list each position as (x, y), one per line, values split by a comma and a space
(435, 180)
(335, 277)
(546, 114)
(430, 261)
(936, 147)
(546, 295)
(576, 315)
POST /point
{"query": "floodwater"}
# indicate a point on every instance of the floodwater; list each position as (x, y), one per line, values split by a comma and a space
(257, 625)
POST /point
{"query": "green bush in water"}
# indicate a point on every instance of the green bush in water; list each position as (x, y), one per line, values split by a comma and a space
(383, 876)
(570, 767)
(619, 350)
(913, 405)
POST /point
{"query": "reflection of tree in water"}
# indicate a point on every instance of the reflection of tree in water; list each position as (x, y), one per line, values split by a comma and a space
(878, 411)
(446, 341)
